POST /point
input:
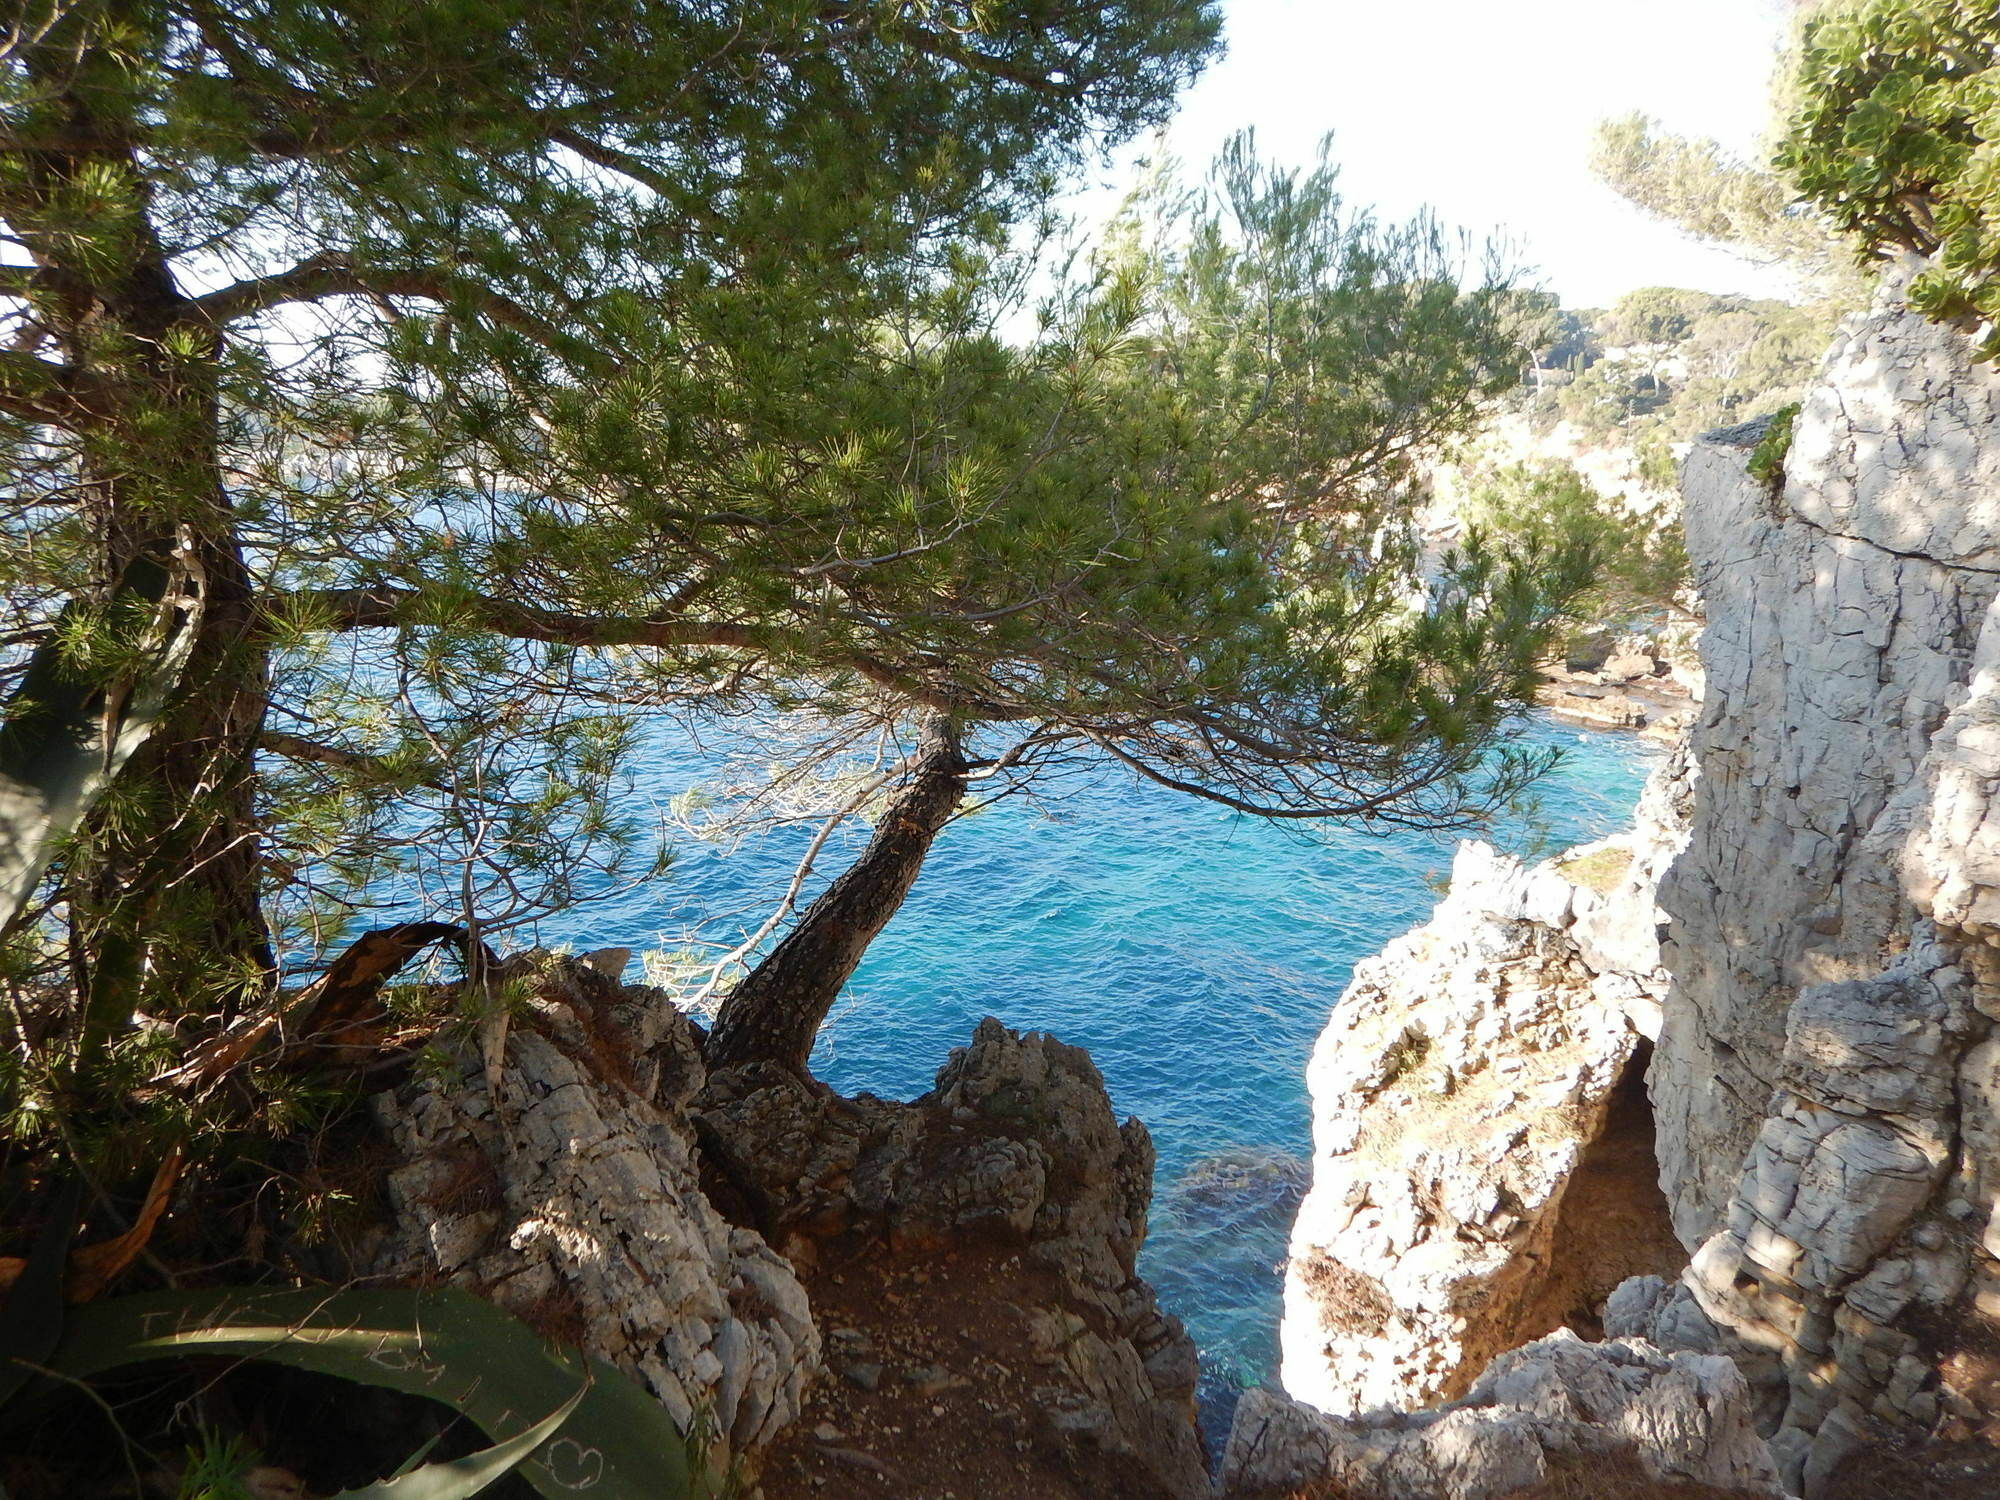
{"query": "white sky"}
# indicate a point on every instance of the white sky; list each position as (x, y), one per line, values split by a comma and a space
(1484, 110)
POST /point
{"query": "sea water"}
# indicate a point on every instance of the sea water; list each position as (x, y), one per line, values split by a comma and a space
(1196, 953)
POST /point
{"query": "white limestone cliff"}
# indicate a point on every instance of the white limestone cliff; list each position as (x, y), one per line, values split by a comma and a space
(1824, 1087)
(1678, 1417)
(571, 1195)
(1482, 1164)
(1825, 1076)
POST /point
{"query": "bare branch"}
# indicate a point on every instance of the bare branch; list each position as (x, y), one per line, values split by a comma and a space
(333, 274)
(357, 762)
(37, 389)
(947, 48)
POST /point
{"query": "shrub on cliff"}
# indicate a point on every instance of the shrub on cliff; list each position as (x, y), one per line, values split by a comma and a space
(1895, 137)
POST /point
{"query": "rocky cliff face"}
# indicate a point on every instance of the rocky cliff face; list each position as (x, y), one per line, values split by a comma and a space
(1824, 1078)
(570, 1194)
(1482, 1164)
(588, 1173)
(1558, 1403)
(1824, 1085)
(1017, 1145)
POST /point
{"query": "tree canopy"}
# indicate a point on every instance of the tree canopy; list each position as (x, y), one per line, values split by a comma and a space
(1714, 196)
(486, 378)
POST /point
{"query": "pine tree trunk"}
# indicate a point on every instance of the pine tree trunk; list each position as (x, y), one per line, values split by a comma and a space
(163, 886)
(774, 1015)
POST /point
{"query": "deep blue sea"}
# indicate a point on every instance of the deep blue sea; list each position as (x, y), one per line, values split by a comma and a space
(1195, 952)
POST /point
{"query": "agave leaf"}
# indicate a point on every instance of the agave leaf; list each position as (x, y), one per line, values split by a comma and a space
(31, 1318)
(63, 739)
(448, 1345)
(461, 1478)
(419, 1456)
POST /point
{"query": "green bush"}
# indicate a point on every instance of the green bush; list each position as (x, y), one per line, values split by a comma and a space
(1767, 462)
(1895, 137)
(1641, 562)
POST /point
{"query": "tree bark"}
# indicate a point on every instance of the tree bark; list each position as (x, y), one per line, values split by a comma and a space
(163, 888)
(774, 1015)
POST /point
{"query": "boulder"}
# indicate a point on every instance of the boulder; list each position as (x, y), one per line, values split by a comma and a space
(1681, 1416)
(1482, 1167)
(564, 1186)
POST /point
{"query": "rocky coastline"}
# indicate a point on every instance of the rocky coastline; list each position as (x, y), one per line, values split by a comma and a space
(1797, 954)
(827, 1290)
(1644, 681)
(1679, 1150)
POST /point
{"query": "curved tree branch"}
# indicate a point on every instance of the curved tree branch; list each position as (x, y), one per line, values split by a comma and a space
(392, 608)
(334, 274)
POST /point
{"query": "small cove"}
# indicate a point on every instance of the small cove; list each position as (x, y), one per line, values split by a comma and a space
(1194, 952)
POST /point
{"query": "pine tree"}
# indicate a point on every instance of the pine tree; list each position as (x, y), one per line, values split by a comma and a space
(486, 377)
(255, 248)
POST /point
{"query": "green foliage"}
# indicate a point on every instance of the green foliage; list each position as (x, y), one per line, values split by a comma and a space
(1686, 362)
(1640, 564)
(69, 725)
(1767, 461)
(1656, 315)
(218, 1468)
(1895, 137)
(1713, 196)
(569, 1427)
(423, 291)
(516, 374)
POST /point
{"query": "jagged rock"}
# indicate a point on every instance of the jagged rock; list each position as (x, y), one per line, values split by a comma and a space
(1822, 1086)
(1017, 1142)
(1482, 1164)
(1682, 1416)
(571, 1197)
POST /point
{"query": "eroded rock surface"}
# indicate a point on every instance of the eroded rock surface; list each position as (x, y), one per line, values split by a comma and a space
(1016, 1145)
(1483, 1168)
(1684, 1416)
(1824, 1082)
(570, 1195)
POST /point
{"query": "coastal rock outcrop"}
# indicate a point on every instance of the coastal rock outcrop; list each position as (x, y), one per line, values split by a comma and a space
(1679, 1416)
(562, 1183)
(1483, 1167)
(1016, 1146)
(582, 1168)
(1825, 1081)
(1824, 1074)
(1644, 680)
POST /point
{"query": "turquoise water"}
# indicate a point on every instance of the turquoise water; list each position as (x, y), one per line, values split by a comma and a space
(1194, 952)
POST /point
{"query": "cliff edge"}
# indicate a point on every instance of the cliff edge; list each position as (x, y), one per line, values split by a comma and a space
(1822, 1076)
(1825, 1088)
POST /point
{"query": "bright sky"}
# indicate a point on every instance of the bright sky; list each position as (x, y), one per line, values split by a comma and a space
(1484, 110)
